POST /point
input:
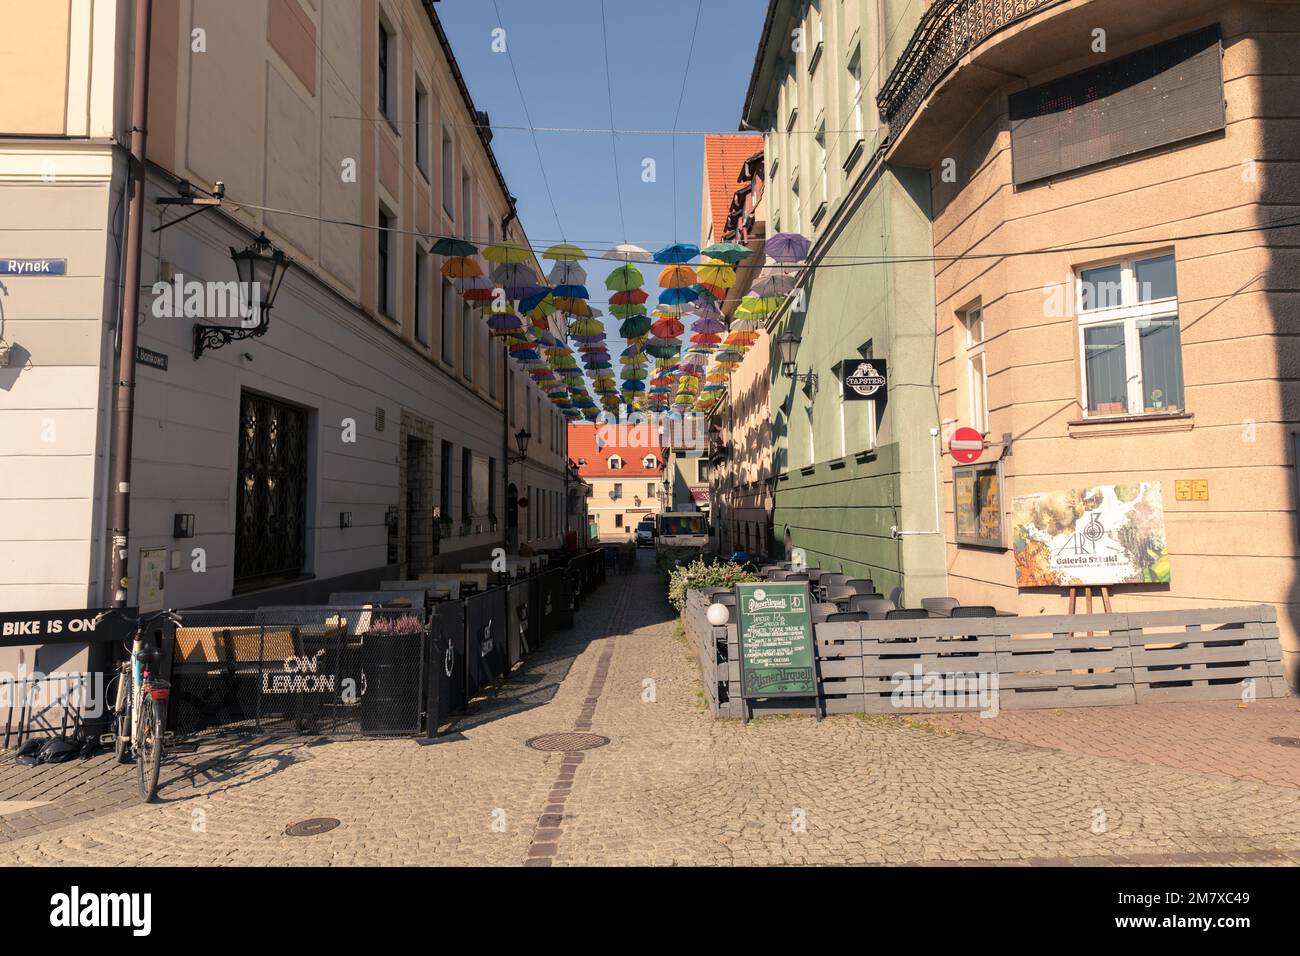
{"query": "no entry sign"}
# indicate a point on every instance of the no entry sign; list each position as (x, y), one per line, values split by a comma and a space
(966, 445)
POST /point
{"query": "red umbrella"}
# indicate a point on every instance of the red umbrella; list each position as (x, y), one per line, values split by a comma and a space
(630, 297)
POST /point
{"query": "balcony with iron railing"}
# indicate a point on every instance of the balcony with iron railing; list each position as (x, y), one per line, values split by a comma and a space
(947, 31)
(964, 51)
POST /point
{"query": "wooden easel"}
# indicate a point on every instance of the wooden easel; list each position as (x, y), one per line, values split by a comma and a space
(1104, 591)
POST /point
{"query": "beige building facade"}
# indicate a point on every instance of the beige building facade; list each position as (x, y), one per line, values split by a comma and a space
(1114, 294)
(344, 132)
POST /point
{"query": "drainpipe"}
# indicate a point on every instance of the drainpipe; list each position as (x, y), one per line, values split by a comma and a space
(124, 398)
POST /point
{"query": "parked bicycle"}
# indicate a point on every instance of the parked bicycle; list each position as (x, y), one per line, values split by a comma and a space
(140, 706)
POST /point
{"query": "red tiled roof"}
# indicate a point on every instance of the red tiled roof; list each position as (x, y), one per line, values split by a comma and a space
(630, 442)
(724, 154)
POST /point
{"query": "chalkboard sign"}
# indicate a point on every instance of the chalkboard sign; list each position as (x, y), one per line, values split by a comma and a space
(776, 640)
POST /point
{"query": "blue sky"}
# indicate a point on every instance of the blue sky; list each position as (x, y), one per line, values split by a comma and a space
(559, 56)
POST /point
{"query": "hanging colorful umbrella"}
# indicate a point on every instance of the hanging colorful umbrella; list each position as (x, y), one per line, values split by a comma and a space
(667, 328)
(478, 289)
(624, 278)
(678, 296)
(773, 282)
(502, 252)
(570, 292)
(627, 311)
(564, 252)
(728, 252)
(572, 306)
(504, 323)
(708, 324)
(628, 297)
(676, 277)
(663, 347)
(460, 267)
(718, 274)
(678, 252)
(786, 247)
(635, 327)
(627, 252)
(566, 273)
(448, 246)
(587, 326)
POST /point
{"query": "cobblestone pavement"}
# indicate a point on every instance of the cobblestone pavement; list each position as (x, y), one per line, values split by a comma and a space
(673, 786)
(1257, 741)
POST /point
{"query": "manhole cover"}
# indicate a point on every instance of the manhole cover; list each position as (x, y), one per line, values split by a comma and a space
(313, 827)
(1285, 741)
(567, 742)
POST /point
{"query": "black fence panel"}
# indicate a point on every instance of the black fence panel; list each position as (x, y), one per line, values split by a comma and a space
(518, 625)
(318, 670)
(485, 633)
(447, 659)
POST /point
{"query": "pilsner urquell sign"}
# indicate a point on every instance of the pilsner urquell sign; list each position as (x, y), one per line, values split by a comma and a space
(776, 640)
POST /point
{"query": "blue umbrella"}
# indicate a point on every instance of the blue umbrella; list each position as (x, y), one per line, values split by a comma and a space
(533, 300)
(678, 296)
(678, 252)
(571, 292)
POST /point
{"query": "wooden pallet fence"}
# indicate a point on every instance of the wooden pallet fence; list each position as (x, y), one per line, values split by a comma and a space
(1079, 660)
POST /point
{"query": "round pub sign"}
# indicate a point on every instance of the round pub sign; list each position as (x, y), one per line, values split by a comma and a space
(864, 378)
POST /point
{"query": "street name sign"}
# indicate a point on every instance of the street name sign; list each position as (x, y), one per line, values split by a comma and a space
(775, 631)
(33, 267)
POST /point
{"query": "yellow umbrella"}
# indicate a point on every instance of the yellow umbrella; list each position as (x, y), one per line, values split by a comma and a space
(717, 273)
(564, 252)
(676, 277)
(588, 327)
(506, 252)
(460, 267)
(572, 306)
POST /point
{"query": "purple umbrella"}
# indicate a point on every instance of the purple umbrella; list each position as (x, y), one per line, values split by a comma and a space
(786, 247)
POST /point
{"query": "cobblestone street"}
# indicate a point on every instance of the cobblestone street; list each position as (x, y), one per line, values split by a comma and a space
(674, 786)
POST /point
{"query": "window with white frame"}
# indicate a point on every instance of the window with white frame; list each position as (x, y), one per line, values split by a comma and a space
(448, 174)
(387, 101)
(615, 463)
(649, 461)
(820, 138)
(1129, 337)
(423, 278)
(977, 374)
(796, 205)
(421, 129)
(855, 91)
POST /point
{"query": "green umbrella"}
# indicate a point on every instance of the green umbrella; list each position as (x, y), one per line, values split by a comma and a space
(625, 278)
(728, 252)
(447, 246)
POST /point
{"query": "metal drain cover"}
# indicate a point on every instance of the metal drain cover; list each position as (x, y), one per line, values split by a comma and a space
(313, 827)
(1285, 741)
(567, 742)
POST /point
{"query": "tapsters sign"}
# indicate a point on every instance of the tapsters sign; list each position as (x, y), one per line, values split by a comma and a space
(776, 640)
(864, 379)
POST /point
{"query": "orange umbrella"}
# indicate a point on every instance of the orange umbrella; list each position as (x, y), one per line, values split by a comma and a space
(676, 277)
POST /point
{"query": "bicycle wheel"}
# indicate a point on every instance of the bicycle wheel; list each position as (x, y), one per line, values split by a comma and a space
(149, 745)
(122, 721)
(122, 738)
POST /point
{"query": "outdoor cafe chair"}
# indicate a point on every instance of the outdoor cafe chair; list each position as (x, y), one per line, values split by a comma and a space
(814, 574)
(843, 617)
(839, 595)
(974, 610)
(861, 585)
(792, 576)
(822, 610)
(940, 605)
(906, 614)
(725, 597)
(776, 575)
(876, 606)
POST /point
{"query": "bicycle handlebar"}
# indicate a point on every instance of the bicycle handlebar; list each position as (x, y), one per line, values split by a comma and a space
(140, 620)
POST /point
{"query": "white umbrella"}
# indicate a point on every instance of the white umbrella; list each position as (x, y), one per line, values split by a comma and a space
(627, 252)
(567, 273)
(773, 282)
